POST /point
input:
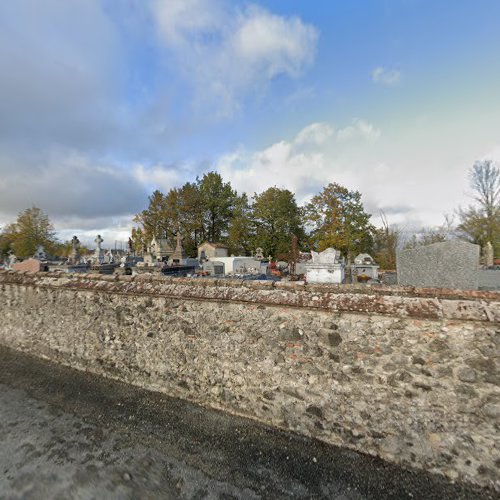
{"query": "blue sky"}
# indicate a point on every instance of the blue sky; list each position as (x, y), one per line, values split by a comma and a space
(102, 101)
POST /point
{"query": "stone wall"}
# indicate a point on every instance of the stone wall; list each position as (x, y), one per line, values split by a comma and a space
(410, 375)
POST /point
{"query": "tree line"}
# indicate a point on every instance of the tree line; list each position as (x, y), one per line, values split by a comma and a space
(209, 209)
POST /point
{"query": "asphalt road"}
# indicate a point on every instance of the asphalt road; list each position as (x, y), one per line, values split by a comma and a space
(66, 434)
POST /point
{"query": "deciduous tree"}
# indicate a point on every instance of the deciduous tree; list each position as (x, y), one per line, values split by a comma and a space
(218, 201)
(339, 220)
(276, 218)
(480, 223)
(31, 229)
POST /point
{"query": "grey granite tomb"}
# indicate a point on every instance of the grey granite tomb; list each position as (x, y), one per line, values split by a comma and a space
(449, 264)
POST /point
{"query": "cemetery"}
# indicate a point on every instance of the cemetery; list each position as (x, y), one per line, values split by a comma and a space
(448, 264)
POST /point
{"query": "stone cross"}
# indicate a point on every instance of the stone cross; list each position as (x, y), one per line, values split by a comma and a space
(99, 252)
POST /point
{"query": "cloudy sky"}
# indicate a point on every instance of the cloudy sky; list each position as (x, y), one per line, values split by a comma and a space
(102, 101)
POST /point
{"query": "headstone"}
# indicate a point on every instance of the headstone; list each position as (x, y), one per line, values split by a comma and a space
(488, 255)
(364, 269)
(148, 259)
(325, 267)
(179, 256)
(40, 253)
(30, 265)
(74, 254)
(448, 264)
(213, 268)
(99, 252)
(11, 261)
(259, 253)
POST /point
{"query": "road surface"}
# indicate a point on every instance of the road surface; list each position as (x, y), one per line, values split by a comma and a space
(66, 434)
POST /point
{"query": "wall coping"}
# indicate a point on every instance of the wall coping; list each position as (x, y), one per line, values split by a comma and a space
(412, 302)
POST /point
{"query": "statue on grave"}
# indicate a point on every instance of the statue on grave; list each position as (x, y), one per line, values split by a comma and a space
(110, 257)
(74, 254)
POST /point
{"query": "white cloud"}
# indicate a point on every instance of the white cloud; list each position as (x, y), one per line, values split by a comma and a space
(303, 165)
(385, 76)
(157, 176)
(316, 133)
(225, 52)
(359, 129)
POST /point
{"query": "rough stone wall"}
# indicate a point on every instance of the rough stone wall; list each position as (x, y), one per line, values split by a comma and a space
(410, 375)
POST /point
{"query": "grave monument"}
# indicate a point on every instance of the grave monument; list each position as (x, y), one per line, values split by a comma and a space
(99, 252)
(325, 267)
(448, 264)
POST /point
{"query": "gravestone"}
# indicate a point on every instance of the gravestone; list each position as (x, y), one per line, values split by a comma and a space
(40, 253)
(179, 256)
(213, 268)
(99, 252)
(449, 264)
(364, 268)
(325, 267)
(30, 265)
(74, 254)
(11, 261)
(488, 255)
(110, 258)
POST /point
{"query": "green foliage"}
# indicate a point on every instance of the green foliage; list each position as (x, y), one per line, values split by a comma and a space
(276, 218)
(139, 243)
(240, 233)
(199, 211)
(154, 221)
(339, 220)
(31, 229)
(218, 202)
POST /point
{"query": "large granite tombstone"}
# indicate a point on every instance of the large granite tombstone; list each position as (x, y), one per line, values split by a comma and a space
(450, 264)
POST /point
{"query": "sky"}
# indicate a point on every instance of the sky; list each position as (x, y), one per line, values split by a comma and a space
(103, 101)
